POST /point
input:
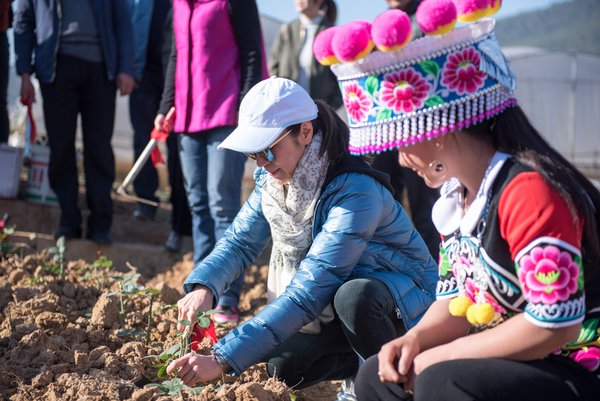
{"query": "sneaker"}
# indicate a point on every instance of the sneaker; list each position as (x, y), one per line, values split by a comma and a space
(226, 314)
(346, 392)
(173, 242)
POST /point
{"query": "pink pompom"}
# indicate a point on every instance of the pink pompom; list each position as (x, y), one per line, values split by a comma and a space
(352, 41)
(471, 10)
(494, 6)
(391, 30)
(436, 17)
(322, 47)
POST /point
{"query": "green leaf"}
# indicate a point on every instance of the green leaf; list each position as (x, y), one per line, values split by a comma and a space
(434, 101)
(126, 332)
(293, 397)
(162, 372)
(383, 114)
(171, 350)
(151, 291)
(196, 390)
(371, 84)
(430, 67)
(204, 322)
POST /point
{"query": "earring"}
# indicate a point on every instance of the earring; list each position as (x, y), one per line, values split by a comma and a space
(437, 166)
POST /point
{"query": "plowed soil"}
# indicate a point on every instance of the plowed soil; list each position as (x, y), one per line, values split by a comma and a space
(64, 338)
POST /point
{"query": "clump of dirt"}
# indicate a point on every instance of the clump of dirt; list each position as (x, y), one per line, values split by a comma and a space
(87, 335)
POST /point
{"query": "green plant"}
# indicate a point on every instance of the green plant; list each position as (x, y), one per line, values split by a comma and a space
(5, 232)
(183, 346)
(127, 286)
(57, 266)
(100, 269)
(174, 387)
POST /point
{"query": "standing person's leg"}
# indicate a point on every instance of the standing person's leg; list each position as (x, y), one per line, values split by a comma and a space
(306, 359)
(367, 311)
(4, 125)
(143, 105)
(192, 152)
(225, 171)
(61, 106)
(181, 220)
(97, 123)
(421, 199)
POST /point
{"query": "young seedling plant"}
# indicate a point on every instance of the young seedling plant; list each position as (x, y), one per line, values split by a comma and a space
(100, 268)
(5, 231)
(57, 266)
(128, 287)
(174, 385)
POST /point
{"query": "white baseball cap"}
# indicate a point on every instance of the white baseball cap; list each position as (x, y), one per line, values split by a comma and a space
(267, 109)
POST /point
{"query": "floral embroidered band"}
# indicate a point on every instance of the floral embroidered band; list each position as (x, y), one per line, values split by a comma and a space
(440, 89)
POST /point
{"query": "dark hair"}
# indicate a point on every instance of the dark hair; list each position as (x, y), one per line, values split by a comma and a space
(330, 9)
(511, 132)
(334, 131)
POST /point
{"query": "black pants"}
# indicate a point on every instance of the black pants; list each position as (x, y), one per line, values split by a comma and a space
(143, 107)
(81, 87)
(421, 198)
(365, 320)
(181, 217)
(4, 124)
(551, 379)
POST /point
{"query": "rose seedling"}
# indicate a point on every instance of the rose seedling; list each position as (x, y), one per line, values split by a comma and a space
(57, 266)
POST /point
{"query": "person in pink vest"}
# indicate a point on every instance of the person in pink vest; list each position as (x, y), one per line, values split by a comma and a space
(216, 57)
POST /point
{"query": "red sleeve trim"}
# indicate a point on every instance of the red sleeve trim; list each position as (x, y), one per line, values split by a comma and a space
(530, 208)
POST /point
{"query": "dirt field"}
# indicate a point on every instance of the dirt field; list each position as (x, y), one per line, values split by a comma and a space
(63, 338)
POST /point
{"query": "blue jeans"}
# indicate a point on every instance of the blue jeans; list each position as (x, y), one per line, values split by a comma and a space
(213, 180)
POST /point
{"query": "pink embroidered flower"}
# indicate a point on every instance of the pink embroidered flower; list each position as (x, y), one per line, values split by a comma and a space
(404, 91)
(548, 275)
(472, 292)
(588, 357)
(461, 72)
(356, 101)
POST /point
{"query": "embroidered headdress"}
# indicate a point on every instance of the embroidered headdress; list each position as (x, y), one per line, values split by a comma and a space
(429, 87)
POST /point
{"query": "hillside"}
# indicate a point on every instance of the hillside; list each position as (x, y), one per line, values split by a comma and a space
(572, 25)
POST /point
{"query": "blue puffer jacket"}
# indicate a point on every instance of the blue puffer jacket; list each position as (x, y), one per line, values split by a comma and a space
(37, 30)
(359, 231)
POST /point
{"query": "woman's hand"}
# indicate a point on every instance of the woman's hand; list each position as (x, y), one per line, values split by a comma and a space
(424, 360)
(396, 358)
(194, 368)
(199, 300)
(27, 90)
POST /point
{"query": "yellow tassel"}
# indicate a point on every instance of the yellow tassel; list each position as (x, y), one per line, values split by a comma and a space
(459, 306)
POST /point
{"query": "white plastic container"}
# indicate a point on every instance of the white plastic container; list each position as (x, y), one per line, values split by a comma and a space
(38, 188)
(11, 161)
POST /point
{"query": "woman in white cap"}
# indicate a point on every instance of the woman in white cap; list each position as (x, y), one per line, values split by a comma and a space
(348, 272)
(518, 296)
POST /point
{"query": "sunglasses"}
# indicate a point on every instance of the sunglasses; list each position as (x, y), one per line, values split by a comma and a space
(267, 153)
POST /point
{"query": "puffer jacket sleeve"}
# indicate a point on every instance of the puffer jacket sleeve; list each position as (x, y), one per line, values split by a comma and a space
(353, 212)
(241, 244)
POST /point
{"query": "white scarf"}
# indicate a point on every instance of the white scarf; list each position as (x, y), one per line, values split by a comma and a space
(289, 209)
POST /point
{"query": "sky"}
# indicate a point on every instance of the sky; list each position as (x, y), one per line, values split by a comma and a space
(350, 10)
